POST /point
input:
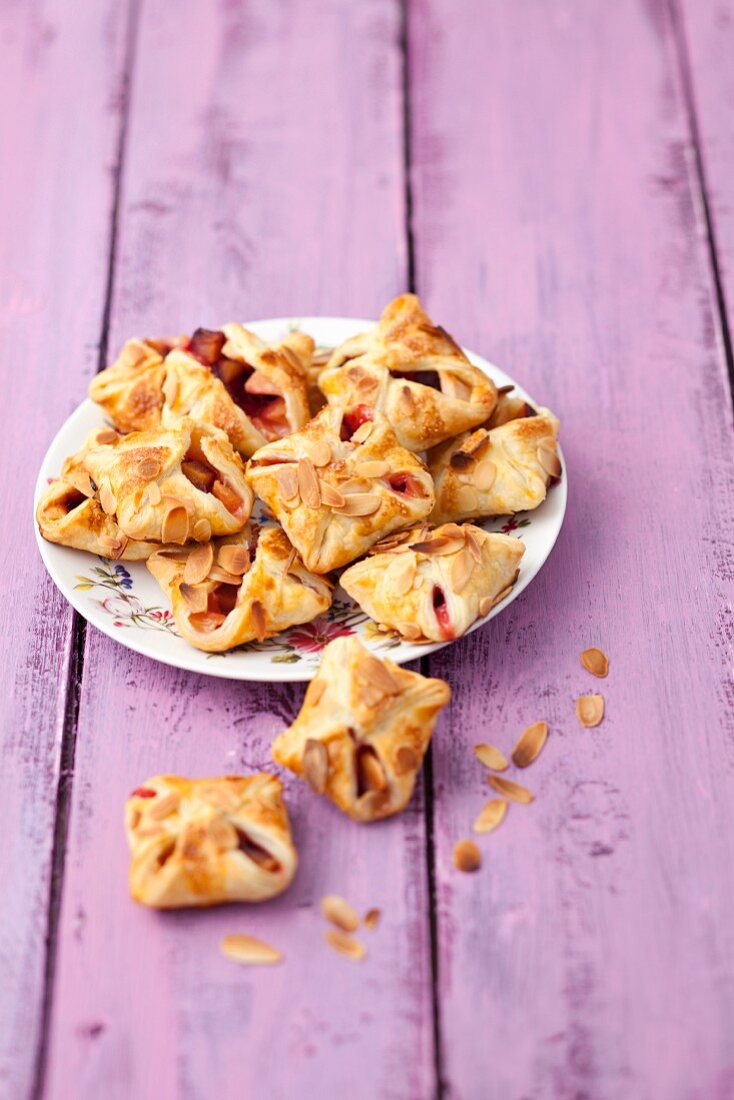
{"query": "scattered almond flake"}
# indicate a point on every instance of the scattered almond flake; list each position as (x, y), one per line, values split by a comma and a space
(258, 620)
(330, 496)
(110, 541)
(501, 595)
(223, 576)
(198, 564)
(175, 527)
(405, 760)
(590, 709)
(248, 950)
(108, 500)
(485, 605)
(473, 545)
(320, 453)
(339, 912)
(107, 435)
(405, 403)
(289, 561)
(360, 504)
(371, 774)
(530, 744)
(316, 765)
(287, 479)
(372, 919)
(363, 432)
(595, 661)
(409, 630)
(467, 856)
(315, 691)
(548, 458)
(170, 388)
(513, 791)
(400, 574)
(439, 546)
(466, 498)
(345, 944)
(195, 598)
(376, 672)
(234, 558)
(491, 757)
(485, 475)
(119, 549)
(154, 496)
(308, 483)
(505, 389)
(462, 568)
(164, 805)
(149, 468)
(492, 815)
(372, 469)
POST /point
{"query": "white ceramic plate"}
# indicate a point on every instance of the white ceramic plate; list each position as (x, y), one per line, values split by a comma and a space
(124, 601)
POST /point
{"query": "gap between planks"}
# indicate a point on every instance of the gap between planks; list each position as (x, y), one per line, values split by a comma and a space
(78, 624)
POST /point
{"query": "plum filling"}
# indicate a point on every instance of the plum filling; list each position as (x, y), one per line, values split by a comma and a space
(200, 473)
(354, 419)
(254, 851)
(424, 377)
(72, 500)
(220, 601)
(370, 772)
(206, 345)
(406, 485)
(442, 612)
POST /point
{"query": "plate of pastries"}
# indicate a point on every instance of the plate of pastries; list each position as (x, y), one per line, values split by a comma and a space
(232, 500)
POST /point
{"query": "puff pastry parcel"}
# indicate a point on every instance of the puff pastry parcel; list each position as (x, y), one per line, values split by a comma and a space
(497, 472)
(362, 731)
(207, 841)
(340, 484)
(66, 516)
(414, 373)
(226, 378)
(168, 484)
(431, 586)
(233, 590)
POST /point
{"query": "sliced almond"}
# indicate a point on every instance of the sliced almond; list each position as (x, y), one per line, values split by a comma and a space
(363, 432)
(485, 475)
(360, 504)
(376, 672)
(234, 558)
(595, 661)
(485, 605)
(175, 527)
(548, 458)
(405, 404)
(491, 757)
(320, 453)
(371, 772)
(106, 435)
(467, 856)
(345, 944)
(287, 479)
(372, 919)
(259, 623)
(339, 912)
(409, 630)
(400, 574)
(198, 564)
(110, 541)
(466, 498)
(530, 744)
(107, 499)
(372, 469)
(514, 791)
(154, 496)
(590, 709)
(316, 765)
(163, 806)
(149, 468)
(439, 546)
(308, 483)
(223, 576)
(248, 950)
(330, 496)
(195, 598)
(473, 545)
(492, 815)
(406, 761)
(462, 568)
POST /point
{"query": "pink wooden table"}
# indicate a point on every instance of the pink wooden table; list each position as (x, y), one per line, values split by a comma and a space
(555, 179)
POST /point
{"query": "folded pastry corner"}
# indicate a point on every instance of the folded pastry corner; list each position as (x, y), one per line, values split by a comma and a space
(432, 586)
(224, 378)
(412, 372)
(339, 484)
(67, 517)
(496, 472)
(363, 730)
(238, 589)
(197, 842)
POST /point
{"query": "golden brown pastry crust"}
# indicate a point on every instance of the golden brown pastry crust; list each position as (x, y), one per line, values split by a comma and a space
(362, 731)
(335, 497)
(228, 379)
(225, 609)
(433, 585)
(207, 841)
(145, 480)
(392, 369)
(497, 472)
(67, 517)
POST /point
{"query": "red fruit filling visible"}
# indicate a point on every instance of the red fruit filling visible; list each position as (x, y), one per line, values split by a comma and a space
(199, 472)
(256, 853)
(406, 485)
(229, 497)
(144, 792)
(206, 345)
(354, 419)
(442, 613)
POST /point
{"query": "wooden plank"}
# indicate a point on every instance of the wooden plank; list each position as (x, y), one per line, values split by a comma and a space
(59, 122)
(263, 177)
(557, 231)
(705, 35)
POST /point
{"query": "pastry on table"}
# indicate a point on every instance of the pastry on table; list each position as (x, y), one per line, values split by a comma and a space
(237, 589)
(208, 841)
(68, 517)
(431, 586)
(227, 378)
(340, 484)
(363, 730)
(168, 484)
(412, 372)
(497, 472)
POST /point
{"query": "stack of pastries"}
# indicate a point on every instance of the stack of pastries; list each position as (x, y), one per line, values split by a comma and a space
(374, 464)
